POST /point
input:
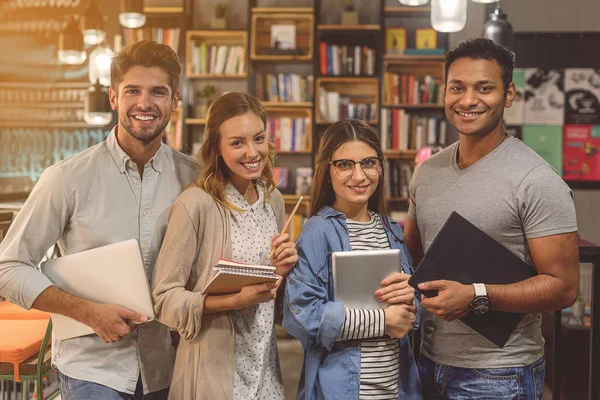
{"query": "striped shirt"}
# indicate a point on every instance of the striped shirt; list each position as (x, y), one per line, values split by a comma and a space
(379, 354)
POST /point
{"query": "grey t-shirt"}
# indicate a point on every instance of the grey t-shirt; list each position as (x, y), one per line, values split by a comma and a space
(513, 195)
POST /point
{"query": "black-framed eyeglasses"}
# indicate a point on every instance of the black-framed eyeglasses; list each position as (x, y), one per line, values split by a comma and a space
(344, 168)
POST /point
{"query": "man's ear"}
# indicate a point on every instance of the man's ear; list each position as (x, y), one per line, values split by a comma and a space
(112, 96)
(510, 95)
(175, 102)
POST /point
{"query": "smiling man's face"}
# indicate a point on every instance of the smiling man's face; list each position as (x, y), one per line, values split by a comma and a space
(474, 96)
(144, 102)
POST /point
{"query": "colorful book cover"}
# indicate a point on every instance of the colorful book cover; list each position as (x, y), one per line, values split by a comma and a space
(544, 96)
(280, 176)
(425, 38)
(547, 141)
(515, 114)
(395, 41)
(303, 180)
(581, 152)
(582, 88)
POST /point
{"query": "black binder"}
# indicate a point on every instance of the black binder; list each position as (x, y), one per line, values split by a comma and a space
(462, 252)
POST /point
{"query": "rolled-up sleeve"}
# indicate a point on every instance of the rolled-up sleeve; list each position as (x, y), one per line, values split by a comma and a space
(308, 313)
(175, 305)
(37, 226)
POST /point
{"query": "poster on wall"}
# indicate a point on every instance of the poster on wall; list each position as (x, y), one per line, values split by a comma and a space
(544, 96)
(581, 153)
(582, 96)
(546, 140)
(515, 114)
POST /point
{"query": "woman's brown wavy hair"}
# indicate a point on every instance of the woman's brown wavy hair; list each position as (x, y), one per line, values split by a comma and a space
(215, 174)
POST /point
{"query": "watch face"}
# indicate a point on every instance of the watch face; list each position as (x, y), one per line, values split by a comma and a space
(481, 305)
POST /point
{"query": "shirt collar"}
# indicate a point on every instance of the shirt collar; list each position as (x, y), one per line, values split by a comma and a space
(239, 201)
(327, 211)
(121, 158)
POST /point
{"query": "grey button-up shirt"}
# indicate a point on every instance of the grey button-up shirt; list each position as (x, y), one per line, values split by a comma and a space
(92, 199)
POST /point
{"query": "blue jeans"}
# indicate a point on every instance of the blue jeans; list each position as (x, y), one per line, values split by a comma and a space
(75, 389)
(445, 382)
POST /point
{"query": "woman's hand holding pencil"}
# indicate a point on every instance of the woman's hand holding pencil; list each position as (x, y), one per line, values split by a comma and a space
(283, 252)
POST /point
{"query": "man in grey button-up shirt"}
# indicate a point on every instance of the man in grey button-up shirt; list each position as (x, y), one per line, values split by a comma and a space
(114, 191)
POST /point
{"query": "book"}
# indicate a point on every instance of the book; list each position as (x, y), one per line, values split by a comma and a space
(446, 258)
(547, 142)
(231, 276)
(303, 180)
(544, 96)
(582, 93)
(425, 52)
(395, 41)
(426, 38)
(581, 152)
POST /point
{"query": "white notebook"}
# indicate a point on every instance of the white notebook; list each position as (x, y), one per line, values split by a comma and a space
(231, 276)
(112, 274)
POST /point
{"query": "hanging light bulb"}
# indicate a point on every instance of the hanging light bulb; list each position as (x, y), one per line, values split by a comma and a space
(99, 68)
(413, 2)
(92, 24)
(97, 110)
(498, 29)
(132, 13)
(70, 45)
(448, 15)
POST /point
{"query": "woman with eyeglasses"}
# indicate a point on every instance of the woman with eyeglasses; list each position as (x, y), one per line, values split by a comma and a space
(351, 353)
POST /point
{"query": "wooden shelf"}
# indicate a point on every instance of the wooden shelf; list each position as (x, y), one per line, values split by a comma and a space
(217, 76)
(295, 152)
(294, 112)
(407, 10)
(293, 198)
(349, 27)
(400, 154)
(176, 11)
(263, 19)
(391, 58)
(304, 104)
(348, 79)
(195, 121)
(280, 10)
(41, 104)
(45, 125)
(414, 106)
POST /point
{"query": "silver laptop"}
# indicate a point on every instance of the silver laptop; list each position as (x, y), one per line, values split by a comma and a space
(357, 275)
(112, 274)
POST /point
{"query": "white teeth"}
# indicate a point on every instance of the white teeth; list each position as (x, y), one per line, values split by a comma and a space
(469, 115)
(144, 117)
(358, 187)
(251, 165)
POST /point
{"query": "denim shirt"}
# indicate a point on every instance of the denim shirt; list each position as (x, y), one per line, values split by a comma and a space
(331, 368)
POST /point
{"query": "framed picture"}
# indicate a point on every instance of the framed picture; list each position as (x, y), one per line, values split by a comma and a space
(283, 37)
(395, 41)
(426, 38)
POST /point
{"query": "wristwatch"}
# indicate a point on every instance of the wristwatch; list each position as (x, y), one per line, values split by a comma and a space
(481, 303)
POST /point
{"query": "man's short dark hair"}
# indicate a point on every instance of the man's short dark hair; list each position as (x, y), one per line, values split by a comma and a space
(145, 53)
(484, 49)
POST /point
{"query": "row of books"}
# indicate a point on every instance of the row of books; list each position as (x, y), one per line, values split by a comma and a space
(217, 59)
(403, 131)
(284, 87)
(334, 106)
(397, 178)
(411, 89)
(288, 134)
(303, 179)
(336, 60)
(168, 36)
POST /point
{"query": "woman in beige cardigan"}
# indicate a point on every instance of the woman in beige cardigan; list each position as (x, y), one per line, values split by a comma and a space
(228, 349)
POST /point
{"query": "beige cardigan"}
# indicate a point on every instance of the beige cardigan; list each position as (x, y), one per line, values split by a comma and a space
(197, 236)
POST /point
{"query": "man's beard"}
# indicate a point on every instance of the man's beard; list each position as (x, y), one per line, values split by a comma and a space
(143, 137)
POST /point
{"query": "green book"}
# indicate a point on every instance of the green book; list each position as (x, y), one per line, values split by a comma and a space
(546, 140)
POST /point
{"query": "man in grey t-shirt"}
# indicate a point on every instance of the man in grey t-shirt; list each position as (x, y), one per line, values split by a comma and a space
(504, 188)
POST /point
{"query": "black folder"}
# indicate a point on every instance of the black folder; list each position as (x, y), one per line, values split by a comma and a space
(464, 253)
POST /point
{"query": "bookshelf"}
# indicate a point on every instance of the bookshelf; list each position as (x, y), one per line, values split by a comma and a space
(216, 54)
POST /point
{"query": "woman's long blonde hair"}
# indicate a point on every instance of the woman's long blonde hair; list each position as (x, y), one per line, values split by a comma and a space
(215, 174)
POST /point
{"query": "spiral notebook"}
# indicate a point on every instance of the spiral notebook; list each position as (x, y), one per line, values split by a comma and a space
(231, 276)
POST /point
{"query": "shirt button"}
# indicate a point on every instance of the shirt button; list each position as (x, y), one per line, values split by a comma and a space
(142, 346)
(145, 247)
(131, 164)
(144, 213)
(136, 182)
